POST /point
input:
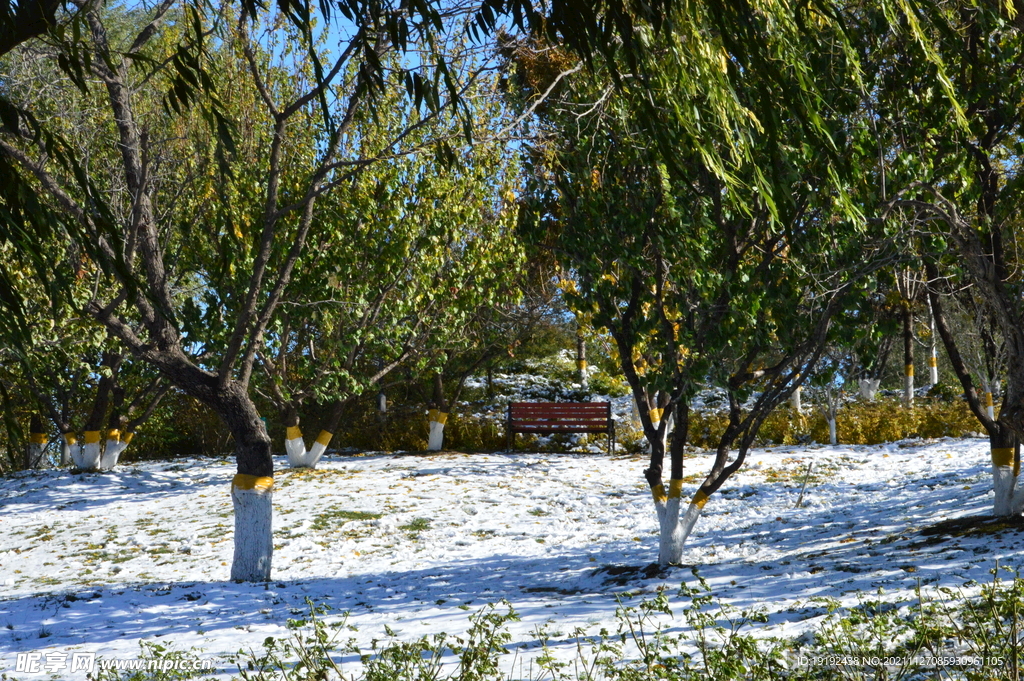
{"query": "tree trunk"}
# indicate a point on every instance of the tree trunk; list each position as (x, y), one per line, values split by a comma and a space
(933, 356)
(35, 450)
(70, 450)
(868, 388)
(252, 488)
(581, 359)
(908, 356)
(832, 439)
(673, 530)
(1003, 441)
(253, 485)
(795, 402)
(1005, 448)
(294, 445)
(666, 433)
(298, 455)
(438, 416)
(989, 401)
(114, 444)
(112, 449)
(90, 454)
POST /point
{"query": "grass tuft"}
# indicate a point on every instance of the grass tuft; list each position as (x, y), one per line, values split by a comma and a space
(336, 517)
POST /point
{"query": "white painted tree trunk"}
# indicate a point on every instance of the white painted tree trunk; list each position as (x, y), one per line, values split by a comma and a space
(669, 421)
(68, 443)
(252, 498)
(868, 388)
(581, 367)
(673, 529)
(298, 455)
(670, 547)
(795, 402)
(89, 454)
(1008, 499)
(295, 447)
(832, 439)
(112, 451)
(1004, 480)
(319, 447)
(435, 440)
(689, 519)
(908, 386)
(36, 450)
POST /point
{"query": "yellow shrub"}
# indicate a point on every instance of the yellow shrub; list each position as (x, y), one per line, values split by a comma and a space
(858, 423)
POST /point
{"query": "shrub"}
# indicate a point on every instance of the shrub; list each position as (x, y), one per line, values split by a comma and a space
(858, 423)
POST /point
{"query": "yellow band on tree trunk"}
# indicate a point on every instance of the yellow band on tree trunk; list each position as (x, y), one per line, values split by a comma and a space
(256, 482)
(656, 415)
(658, 492)
(1002, 456)
(909, 370)
(675, 489)
(933, 361)
(127, 437)
(37, 438)
(70, 438)
(581, 365)
(700, 498)
(437, 415)
(92, 437)
(988, 400)
(324, 438)
(293, 432)
(114, 434)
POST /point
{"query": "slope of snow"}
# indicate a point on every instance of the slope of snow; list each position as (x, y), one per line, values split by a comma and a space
(95, 562)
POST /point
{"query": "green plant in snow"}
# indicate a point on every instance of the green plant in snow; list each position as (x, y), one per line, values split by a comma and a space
(954, 634)
(311, 651)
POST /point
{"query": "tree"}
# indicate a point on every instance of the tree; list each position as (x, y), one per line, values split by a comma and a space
(153, 294)
(63, 366)
(697, 280)
(1004, 442)
(958, 186)
(488, 332)
(412, 252)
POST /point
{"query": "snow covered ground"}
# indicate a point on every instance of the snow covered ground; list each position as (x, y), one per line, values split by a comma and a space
(95, 562)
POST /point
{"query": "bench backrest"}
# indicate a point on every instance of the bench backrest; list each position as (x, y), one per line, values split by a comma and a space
(562, 415)
(559, 411)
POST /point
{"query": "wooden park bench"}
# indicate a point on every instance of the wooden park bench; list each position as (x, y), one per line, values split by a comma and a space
(548, 418)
